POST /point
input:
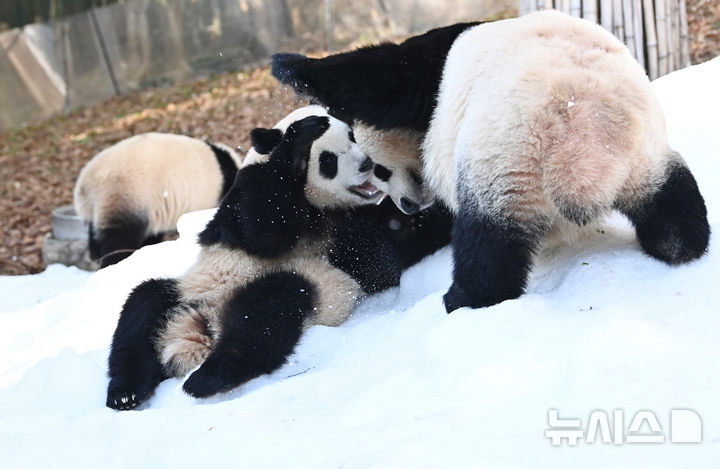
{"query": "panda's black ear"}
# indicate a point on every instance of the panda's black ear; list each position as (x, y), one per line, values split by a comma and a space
(298, 139)
(264, 140)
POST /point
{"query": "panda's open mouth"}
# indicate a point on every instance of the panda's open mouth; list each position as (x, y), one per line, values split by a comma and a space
(366, 190)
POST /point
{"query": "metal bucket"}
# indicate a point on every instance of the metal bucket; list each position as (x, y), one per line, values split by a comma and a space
(66, 224)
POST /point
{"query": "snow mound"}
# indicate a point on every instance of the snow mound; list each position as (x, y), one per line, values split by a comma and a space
(602, 327)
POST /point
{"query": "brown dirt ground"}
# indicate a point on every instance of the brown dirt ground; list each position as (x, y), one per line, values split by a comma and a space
(39, 163)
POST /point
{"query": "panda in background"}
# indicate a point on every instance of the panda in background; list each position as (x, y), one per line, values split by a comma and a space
(261, 277)
(134, 191)
(527, 125)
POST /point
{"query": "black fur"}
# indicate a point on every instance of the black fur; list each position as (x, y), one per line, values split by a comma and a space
(264, 140)
(262, 324)
(123, 234)
(672, 224)
(228, 168)
(259, 215)
(328, 164)
(385, 85)
(492, 260)
(133, 366)
(382, 173)
(375, 244)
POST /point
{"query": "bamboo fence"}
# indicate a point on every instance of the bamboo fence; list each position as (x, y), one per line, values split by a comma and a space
(655, 31)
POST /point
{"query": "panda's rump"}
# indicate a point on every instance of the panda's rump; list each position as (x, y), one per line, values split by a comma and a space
(558, 121)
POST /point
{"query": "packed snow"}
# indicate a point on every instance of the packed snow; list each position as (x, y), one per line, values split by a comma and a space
(603, 329)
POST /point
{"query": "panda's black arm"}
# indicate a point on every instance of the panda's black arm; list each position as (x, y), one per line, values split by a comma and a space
(421, 234)
(266, 210)
(375, 244)
(363, 249)
(264, 213)
(133, 366)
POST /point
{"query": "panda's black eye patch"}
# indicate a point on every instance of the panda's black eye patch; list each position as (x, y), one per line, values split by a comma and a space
(382, 173)
(416, 178)
(328, 164)
(351, 136)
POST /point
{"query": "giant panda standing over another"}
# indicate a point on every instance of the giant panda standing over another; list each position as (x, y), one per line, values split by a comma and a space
(134, 191)
(527, 125)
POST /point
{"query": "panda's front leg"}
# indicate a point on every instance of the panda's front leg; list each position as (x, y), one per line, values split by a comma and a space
(260, 327)
(492, 258)
(134, 366)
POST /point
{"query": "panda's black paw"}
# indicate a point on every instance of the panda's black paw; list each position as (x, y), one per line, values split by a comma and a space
(457, 297)
(122, 396)
(454, 299)
(211, 378)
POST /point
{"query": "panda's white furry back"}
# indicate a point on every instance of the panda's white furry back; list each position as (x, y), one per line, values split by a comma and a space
(528, 124)
(561, 112)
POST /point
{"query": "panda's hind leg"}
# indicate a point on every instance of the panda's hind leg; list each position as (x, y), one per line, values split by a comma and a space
(492, 258)
(261, 325)
(117, 237)
(671, 222)
(133, 366)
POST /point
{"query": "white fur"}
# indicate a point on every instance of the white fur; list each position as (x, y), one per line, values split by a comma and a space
(160, 175)
(540, 115)
(320, 191)
(399, 151)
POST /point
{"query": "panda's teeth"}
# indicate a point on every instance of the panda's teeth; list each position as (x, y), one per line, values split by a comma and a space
(366, 190)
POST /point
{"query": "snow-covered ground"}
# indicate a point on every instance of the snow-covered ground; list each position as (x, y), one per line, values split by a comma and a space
(602, 328)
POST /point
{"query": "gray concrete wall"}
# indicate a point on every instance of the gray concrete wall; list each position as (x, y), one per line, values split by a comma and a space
(46, 69)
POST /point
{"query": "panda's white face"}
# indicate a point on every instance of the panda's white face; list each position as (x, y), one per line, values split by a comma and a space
(339, 172)
(398, 166)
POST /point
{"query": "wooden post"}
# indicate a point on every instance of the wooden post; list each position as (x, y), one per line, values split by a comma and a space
(651, 39)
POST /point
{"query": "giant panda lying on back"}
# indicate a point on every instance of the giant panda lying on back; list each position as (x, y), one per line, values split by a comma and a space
(134, 191)
(526, 125)
(263, 272)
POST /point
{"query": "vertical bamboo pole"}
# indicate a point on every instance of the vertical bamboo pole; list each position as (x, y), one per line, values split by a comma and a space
(675, 20)
(589, 10)
(606, 14)
(684, 43)
(575, 8)
(617, 12)
(651, 38)
(661, 22)
(629, 26)
(565, 6)
(639, 34)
